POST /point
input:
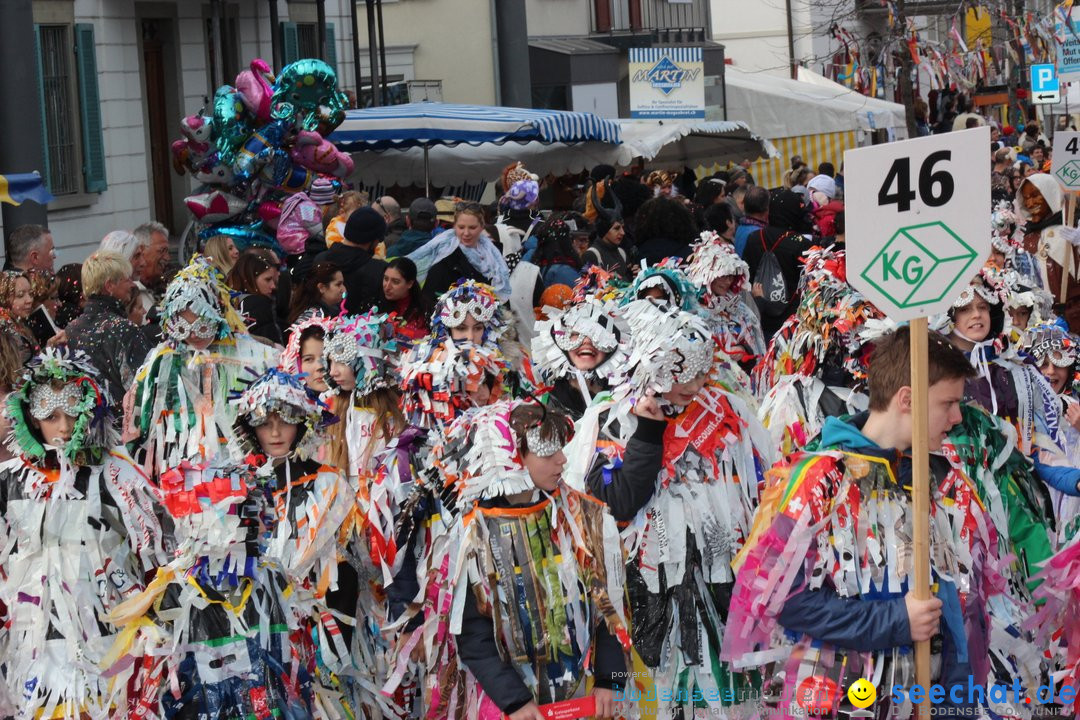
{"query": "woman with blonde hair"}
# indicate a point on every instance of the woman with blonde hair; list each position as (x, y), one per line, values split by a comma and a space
(222, 253)
(465, 251)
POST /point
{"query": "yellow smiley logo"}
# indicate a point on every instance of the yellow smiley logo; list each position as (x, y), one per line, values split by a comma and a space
(862, 693)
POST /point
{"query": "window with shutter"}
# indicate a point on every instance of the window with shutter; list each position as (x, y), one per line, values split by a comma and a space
(90, 107)
(290, 43)
(45, 170)
(56, 69)
(331, 46)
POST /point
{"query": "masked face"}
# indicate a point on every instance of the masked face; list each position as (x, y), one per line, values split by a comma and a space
(1034, 202)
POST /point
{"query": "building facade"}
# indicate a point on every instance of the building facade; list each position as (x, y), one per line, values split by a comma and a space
(116, 76)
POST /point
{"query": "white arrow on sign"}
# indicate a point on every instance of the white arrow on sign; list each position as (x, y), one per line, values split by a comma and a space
(918, 220)
(1065, 161)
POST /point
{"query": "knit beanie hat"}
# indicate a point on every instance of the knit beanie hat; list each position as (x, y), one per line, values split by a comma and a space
(365, 226)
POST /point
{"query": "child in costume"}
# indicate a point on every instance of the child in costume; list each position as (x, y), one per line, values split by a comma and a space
(581, 352)
(666, 283)
(529, 636)
(688, 484)
(77, 532)
(357, 352)
(725, 276)
(303, 352)
(1005, 385)
(216, 633)
(815, 367)
(179, 411)
(1055, 353)
(313, 536)
(823, 591)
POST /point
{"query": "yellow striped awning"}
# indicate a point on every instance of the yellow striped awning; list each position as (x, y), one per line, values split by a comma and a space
(813, 149)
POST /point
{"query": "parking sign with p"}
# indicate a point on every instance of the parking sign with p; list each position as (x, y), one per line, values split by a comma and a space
(1045, 85)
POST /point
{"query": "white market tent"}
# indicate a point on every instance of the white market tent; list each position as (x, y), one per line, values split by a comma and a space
(667, 143)
(813, 117)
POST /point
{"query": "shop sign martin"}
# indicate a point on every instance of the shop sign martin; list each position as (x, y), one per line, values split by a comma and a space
(666, 76)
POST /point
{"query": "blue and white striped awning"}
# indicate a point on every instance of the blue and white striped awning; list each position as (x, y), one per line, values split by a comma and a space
(428, 124)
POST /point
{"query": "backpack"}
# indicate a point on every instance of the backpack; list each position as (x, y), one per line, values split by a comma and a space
(770, 276)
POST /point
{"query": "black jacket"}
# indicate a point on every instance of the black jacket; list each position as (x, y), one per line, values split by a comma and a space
(446, 272)
(626, 489)
(260, 316)
(479, 651)
(116, 346)
(654, 250)
(611, 258)
(363, 274)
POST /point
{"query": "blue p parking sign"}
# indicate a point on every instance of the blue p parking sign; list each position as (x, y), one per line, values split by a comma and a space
(1045, 85)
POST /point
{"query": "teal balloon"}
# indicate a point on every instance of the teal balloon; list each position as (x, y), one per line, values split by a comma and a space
(231, 122)
(310, 87)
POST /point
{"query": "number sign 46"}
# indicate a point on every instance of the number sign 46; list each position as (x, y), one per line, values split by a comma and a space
(935, 187)
(918, 220)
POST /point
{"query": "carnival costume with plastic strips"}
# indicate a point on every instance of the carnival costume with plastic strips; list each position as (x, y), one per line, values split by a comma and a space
(406, 504)
(477, 300)
(1038, 303)
(596, 283)
(547, 616)
(315, 536)
(984, 448)
(179, 411)
(1014, 390)
(78, 531)
(694, 514)
(565, 331)
(815, 365)
(1048, 342)
(678, 289)
(735, 325)
(1004, 239)
(366, 344)
(836, 528)
(1059, 595)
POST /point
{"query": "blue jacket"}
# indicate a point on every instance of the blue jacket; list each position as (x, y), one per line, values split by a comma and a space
(410, 241)
(866, 624)
(559, 274)
(747, 226)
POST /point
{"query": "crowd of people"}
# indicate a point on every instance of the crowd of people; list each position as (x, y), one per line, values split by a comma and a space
(464, 461)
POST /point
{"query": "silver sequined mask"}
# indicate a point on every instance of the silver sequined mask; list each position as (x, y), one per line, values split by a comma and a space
(454, 312)
(202, 328)
(45, 399)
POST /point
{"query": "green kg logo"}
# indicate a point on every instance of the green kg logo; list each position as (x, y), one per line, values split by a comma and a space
(910, 274)
(1069, 174)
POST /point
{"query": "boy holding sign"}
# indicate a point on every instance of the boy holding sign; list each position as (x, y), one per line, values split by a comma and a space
(823, 584)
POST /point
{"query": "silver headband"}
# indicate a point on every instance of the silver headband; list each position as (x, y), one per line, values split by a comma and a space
(540, 446)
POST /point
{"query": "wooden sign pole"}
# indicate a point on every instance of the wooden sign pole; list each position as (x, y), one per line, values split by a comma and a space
(920, 491)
